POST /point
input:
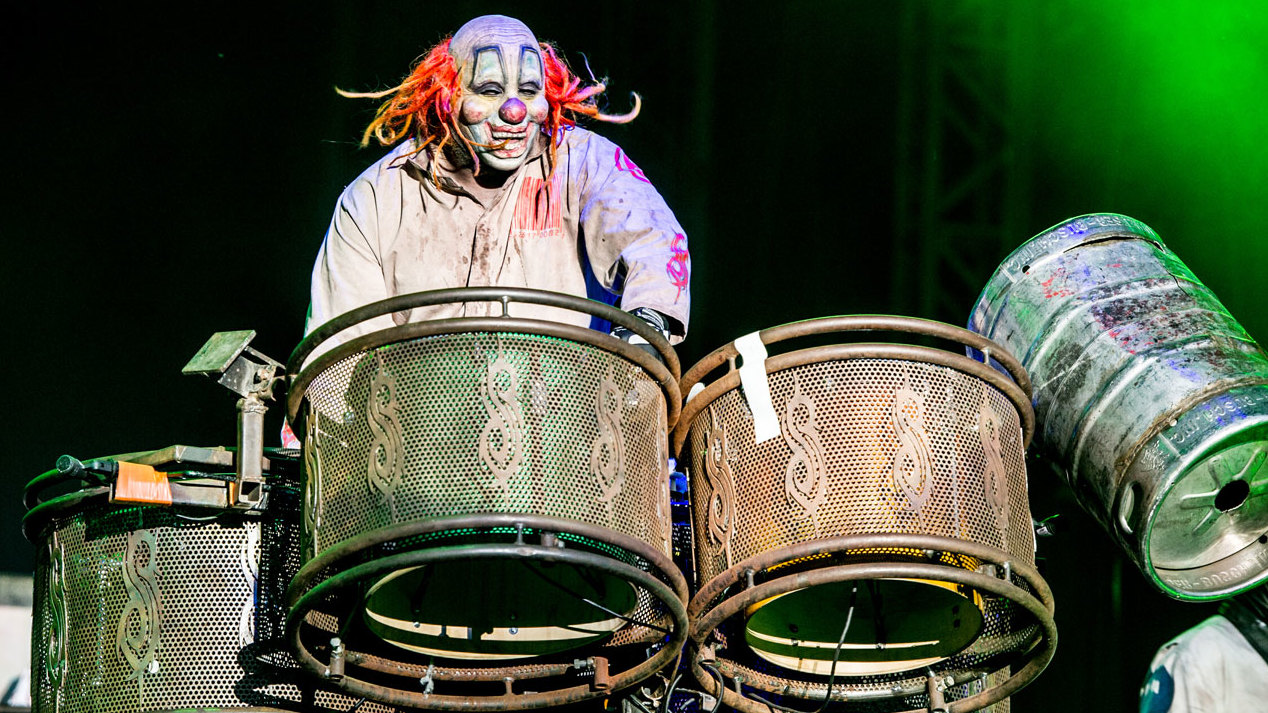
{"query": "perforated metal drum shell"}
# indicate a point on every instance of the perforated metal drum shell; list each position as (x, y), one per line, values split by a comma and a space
(471, 423)
(882, 467)
(1151, 397)
(141, 608)
(485, 424)
(833, 472)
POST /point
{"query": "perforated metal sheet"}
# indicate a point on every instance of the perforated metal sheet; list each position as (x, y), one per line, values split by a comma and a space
(472, 423)
(866, 446)
(488, 423)
(145, 608)
(876, 445)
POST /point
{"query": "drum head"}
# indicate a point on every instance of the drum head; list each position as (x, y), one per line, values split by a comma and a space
(898, 625)
(497, 609)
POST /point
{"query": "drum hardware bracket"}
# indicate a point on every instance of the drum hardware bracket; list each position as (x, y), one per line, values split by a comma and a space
(427, 682)
(334, 671)
(934, 687)
(253, 376)
(601, 680)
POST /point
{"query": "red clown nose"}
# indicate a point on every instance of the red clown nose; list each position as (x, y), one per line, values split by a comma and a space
(512, 111)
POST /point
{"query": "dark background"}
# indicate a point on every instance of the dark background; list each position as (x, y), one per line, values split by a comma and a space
(172, 171)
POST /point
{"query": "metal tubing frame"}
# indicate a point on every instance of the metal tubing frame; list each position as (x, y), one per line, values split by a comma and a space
(666, 373)
(306, 591)
(867, 323)
(705, 619)
(665, 376)
(842, 352)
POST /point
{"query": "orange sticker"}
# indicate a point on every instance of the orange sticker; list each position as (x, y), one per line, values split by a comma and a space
(142, 484)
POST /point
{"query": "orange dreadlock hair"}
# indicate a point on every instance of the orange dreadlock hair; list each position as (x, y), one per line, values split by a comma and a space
(425, 105)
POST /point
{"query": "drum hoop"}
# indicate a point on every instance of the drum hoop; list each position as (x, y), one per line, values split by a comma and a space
(41, 512)
(672, 595)
(665, 375)
(858, 351)
(504, 295)
(345, 550)
(1040, 606)
(866, 323)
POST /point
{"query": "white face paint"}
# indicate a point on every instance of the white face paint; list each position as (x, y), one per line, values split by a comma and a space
(504, 102)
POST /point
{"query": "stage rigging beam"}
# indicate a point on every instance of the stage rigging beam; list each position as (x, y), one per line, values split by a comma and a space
(965, 121)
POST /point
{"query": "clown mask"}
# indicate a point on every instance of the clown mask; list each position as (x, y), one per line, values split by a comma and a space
(504, 100)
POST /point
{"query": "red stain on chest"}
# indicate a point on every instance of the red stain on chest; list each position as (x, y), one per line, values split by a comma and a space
(537, 213)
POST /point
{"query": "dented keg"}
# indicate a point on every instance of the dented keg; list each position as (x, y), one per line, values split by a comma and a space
(1149, 395)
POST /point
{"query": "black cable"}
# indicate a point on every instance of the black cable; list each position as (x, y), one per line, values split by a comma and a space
(713, 671)
(836, 656)
(669, 692)
(595, 604)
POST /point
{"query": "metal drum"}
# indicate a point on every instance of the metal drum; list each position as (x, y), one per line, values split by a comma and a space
(862, 525)
(1151, 397)
(487, 507)
(141, 607)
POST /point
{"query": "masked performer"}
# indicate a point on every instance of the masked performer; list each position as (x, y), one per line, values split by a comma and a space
(492, 183)
(1218, 666)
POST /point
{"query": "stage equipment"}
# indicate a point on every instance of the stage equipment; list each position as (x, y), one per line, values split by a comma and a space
(155, 590)
(862, 526)
(1149, 395)
(487, 509)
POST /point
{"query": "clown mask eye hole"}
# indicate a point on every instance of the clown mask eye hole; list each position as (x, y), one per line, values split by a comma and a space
(530, 88)
(489, 89)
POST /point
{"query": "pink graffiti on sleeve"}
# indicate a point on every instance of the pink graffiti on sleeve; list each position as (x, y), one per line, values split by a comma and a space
(623, 163)
(288, 436)
(677, 268)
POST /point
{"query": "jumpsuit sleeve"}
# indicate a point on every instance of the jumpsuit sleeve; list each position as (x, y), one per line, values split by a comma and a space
(635, 245)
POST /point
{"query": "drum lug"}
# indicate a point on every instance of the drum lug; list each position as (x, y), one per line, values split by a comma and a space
(334, 671)
(601, 681)
(934, 686)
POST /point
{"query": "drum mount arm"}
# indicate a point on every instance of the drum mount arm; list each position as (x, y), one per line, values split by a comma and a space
(253, 376)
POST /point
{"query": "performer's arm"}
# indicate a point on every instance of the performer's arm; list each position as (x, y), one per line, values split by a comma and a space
(635, 245)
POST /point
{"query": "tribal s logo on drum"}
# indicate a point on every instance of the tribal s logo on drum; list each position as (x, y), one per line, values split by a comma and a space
(138, 632)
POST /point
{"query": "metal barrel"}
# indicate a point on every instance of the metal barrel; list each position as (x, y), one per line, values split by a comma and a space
(862, 521)
(1148, 394)
(487, 505)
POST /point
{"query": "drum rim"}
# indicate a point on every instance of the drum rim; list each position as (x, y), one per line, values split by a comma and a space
(866, 323)
(705, 619)
(305, 591)
(730, 381)
(664, 375)
(41, 513)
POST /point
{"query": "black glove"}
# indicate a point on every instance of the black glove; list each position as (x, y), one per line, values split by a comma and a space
(658, 321)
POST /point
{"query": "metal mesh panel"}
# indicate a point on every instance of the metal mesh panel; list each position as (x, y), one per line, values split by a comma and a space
(474, 423)
(144, 608)
(866, 446)
(853, 440)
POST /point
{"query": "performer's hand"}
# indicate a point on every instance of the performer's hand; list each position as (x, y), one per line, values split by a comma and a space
(658, 321)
